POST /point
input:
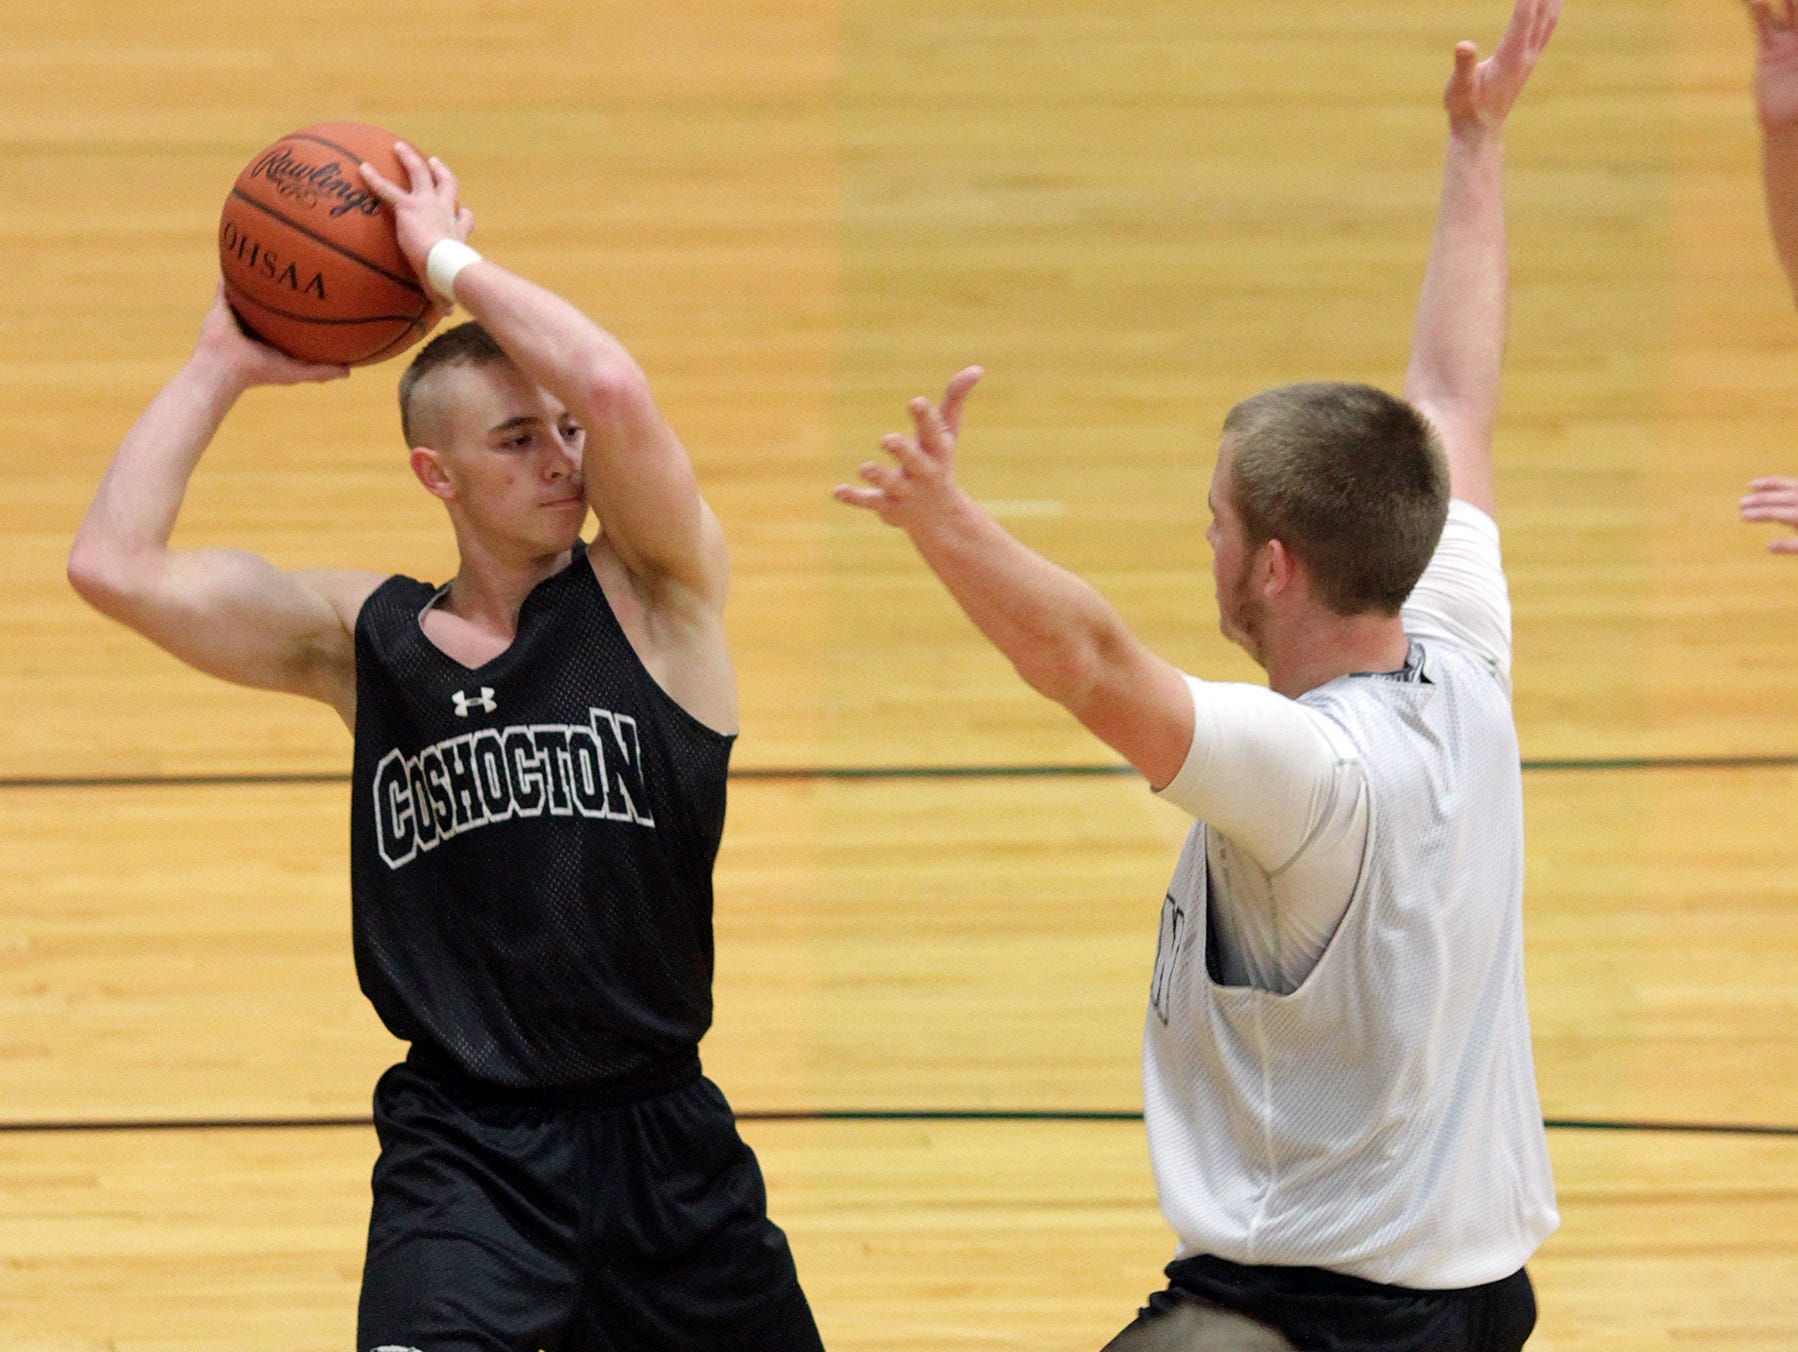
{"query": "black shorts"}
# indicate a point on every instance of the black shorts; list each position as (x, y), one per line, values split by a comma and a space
(1321, 1311)
(510, 1222)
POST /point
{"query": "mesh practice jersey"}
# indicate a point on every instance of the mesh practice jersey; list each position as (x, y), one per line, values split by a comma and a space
(532, 843)
(1379, 1117)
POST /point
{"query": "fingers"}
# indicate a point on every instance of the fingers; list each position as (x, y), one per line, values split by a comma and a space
(1467, 60)
(1546, 21)
(423, 176)
(1482, 92)
(956, 395)
(1773, 498)
(938, 427)
(899, 492)
(921, 456)
(1773, 17)
(419, 174)
(441, 177)
(880, 479)
(1532, 24)
(1760, 14)
(382, 186)
(281, 369)
(868, 499)
(933, 436)
(1517, 31)
(889, 487)
(878, 496)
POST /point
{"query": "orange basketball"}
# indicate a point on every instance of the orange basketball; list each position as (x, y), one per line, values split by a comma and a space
(309, 256)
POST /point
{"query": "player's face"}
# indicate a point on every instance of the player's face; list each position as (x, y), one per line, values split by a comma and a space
(1239, 609)
(512, 453)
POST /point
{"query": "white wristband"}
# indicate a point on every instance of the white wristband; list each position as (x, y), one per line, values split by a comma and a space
(447, 258)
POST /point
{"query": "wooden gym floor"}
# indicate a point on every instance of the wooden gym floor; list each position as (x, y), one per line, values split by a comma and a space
(937, 899)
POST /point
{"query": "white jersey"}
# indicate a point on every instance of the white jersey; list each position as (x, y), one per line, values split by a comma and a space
(1336, 1062)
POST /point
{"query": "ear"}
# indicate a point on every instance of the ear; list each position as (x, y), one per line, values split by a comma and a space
(428, 467)
(1276, 570)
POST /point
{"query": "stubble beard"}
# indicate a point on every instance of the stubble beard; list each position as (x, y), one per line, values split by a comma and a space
(1240, 618)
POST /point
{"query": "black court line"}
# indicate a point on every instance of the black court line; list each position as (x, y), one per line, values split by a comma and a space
(791, 774)
(1663, 763)
(837, 772)
(171, 781)
(1061, 1115)
(1703, 1128)
(90, 1125)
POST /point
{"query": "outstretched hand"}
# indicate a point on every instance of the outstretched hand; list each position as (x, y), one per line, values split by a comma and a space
(426, 210)
(923, 473)
(1776, 64)
(1776, 500)
(1480, 94)
(222, 339)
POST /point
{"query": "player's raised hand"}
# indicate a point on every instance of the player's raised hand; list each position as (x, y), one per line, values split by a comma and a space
(223, 341)
(1774, 499)
(1480, 93)
(922, 474)
(1776, 62)
(425, 209)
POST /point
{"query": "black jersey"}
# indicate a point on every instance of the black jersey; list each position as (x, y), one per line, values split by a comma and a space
(532, 844)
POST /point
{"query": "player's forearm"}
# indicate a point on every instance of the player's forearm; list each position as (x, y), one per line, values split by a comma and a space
(1052, 625)
(1457, 350)
(1779, 174)
(635, 472)
(133, 512)
(552, 341)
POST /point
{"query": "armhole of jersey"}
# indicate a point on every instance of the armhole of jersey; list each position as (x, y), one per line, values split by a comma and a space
(611, 618)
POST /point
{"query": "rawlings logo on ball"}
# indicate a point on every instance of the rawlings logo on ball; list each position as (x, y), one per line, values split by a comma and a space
(308, 183)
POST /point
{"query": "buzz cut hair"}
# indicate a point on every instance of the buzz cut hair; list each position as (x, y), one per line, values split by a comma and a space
(1352, 481)
(465, 345)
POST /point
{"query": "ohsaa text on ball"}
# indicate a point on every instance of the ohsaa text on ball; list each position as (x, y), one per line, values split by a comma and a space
(259, 259)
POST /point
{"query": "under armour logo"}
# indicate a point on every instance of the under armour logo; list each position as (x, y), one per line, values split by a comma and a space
(483, 701)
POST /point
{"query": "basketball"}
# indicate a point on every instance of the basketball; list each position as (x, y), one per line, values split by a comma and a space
(308, 253)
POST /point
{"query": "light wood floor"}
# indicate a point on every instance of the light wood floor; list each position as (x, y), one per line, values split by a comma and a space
(798, 213)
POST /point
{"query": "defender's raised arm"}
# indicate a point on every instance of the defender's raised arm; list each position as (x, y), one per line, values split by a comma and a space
(1775, 498)
(1459, 342)
(1064, 638)
(1776, 102)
